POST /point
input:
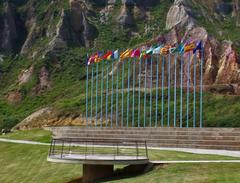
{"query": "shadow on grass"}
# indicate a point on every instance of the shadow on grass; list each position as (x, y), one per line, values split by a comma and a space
(124, 173)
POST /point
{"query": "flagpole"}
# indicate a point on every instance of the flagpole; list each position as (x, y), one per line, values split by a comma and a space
(112, 95)
(96, 96)
(145, 93)
(156, 112)
(117, 96)
(175, 89)
(201, 86)
(181, 91)
(92, 93)
(102, 94)
(128, 94)
(169, 87)
(123, 67)
(87, 93)
(133, 107)
(163, 65)
(139, 90)
(194, 92)
(150, 115)
(188, 85)
(107, 95)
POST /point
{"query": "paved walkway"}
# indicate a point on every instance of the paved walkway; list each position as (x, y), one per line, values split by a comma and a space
(188, 150)
(198, 161)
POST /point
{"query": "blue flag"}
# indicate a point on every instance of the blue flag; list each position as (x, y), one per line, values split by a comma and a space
(198, 47)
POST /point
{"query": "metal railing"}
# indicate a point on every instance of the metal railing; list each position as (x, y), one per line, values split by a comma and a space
(89, 147)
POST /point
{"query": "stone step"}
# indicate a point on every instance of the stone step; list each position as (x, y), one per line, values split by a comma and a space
(66, 133)
(170, 141)
(205, 138)
(153, 136)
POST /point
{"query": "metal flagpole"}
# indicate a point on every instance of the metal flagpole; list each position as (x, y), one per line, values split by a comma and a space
(139, 90)
(96, 96)
(156, 112)
(92, 93)
(123, 64)
(150, 114)
(162, 117)
(175, 90)
(112, 95)
(145, 93)
(96, 107)
(194, 92)
(117, 96)
(107, 95)
(201, 86)
(188, 86)
(102, 95)
(128, 94)
(133, 107)
(181, 91)
(169, 87)
(87, 94)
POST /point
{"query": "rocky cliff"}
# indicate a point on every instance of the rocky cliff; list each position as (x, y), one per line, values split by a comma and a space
(43, 44)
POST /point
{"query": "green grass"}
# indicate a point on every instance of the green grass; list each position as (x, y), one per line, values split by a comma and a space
(21, 163)
(28, 164)
(188, 173)
(32, 135)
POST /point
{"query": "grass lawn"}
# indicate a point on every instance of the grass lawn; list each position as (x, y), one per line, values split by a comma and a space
(21, 163)
(32, 135)
(189, 173)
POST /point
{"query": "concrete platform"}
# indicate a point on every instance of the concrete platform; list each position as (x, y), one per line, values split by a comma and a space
(98, 159)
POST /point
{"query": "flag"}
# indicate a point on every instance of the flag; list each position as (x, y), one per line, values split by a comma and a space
(107, 56)
(150, 51)
(157, 50)
(143, 53)
(126, 54)
(136, 53)
(198, 47)
(91, 59)
(98, 57)
(116, 54)
(179, 48)
(165, 50)
(189, 47)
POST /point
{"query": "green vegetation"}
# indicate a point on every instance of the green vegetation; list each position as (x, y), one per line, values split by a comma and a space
(37, 135)
(27, 163)
(188, 173)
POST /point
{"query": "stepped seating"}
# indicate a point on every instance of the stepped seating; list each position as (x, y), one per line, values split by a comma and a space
(203, 138)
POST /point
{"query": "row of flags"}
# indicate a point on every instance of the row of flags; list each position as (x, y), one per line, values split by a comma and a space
(145, 53)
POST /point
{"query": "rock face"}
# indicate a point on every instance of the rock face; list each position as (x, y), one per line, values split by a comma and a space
(236, 12)
(179, 15)
(44, 81)
(14, 97)
(48, 117)
(83, 31)
(8, 30)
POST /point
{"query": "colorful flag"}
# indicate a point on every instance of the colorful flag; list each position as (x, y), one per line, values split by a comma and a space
(150, 51)
(98, 57)
(165, 50)
(126, 54)
(157, 50)
(116, 54)
(107, 55)
(198, 47)
(189, 47)
(91, 59)
(136, 53)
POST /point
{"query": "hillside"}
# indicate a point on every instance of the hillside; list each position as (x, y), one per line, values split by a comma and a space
(43, 46)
